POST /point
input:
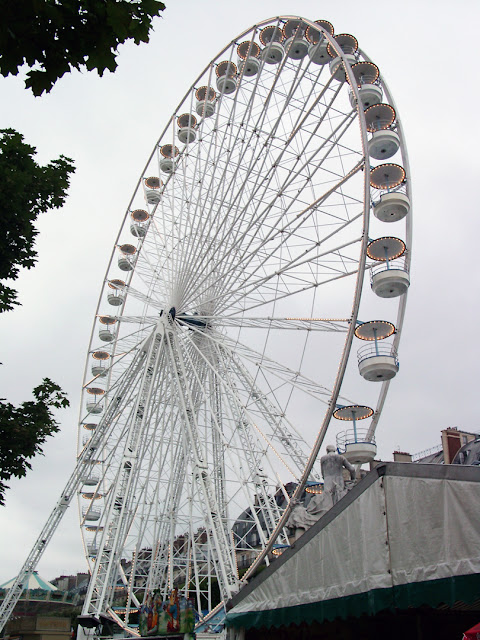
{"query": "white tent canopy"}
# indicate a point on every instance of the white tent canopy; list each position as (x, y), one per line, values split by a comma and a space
(34, 582)
(406, 535)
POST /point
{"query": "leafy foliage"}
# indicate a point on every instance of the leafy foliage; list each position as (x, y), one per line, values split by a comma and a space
(27, 189)
(24, 429)
(54, 36)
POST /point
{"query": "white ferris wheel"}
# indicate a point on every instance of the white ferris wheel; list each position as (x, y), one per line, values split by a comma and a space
(227, 334)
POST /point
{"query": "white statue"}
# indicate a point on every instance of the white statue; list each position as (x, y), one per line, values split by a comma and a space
(332, 470)
(319, 504)
(299, 519)
(332, 464)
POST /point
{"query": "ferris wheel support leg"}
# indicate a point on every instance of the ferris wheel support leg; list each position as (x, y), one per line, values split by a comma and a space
(220, 547)
(107, 566)
(46, 534)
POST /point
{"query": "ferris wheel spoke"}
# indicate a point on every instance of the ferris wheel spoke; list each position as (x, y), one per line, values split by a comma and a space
(220, 545)
(146, 299)
(262, 291)
(282, 189)
(243, 263)
(239, 408)
(244, 322)
(124, 485)
(262, 115)
(247, 446)
(273, 416)
(261, 361)
(282, 431)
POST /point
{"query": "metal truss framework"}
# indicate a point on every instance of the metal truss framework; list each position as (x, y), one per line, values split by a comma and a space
(242, 290)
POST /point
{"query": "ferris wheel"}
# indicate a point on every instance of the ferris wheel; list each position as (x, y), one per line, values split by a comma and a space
(227, 334)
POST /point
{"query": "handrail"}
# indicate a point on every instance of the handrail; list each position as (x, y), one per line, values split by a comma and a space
(399, 264)
(376, 349)
(353, 436)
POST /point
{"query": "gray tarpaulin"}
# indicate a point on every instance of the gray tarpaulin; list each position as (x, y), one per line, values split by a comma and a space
(400, 530)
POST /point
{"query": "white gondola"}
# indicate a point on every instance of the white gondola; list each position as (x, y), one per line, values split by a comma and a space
(391, 207)
(152, 190)
(318, 53)
(356, 444)
(91, 514)
(359, 452)
(116, 297)
(99, 370)
(187, 124)
(168, 153)
(389, 278)
(383, 144)
(318, 44)
(366, 75)
(271, 37)
(248, 58)
(296, 47)
(94, 408)
(349, 45)
(126, 262)
(206, 98)
(139, 225)
(106, 333)
(391, 281)
(100, 366)
(370, 94)
(92, 550)
(90, 480)
(226, 77)
(377, 362)
(337, 68)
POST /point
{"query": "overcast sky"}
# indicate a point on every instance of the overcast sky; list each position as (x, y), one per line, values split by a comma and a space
(427, 51)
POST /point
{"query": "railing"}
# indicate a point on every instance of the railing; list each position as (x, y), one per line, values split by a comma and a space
(92, 479)
(398, 264)
(353, 436)
(427, 452)
(401, 188)
(381, 125)
(372, 350)
(91, 513)
(86, 439)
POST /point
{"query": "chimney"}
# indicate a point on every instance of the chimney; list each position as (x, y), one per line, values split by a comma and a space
(402, 456)
(451, 443)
